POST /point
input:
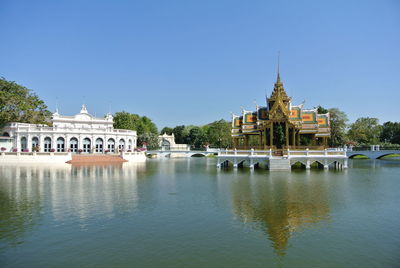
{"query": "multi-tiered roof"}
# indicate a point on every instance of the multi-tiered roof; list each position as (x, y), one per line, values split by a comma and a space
(279, 108)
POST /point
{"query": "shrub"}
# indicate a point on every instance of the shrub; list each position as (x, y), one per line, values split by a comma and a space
(3, 149)
(26, 150)
(15, 150)
(52, 150)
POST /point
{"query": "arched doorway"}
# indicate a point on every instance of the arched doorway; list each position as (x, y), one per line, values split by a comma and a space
(60, 144)
(111, 145)
(35, 144)
(6, 134)
(47, 144)
(165, 145)
(86, 145)
(73, 145)
(24, 144)
(99, 145)
(121, 145)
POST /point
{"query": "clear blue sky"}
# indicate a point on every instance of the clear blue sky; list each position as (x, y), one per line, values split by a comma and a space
(193, 62)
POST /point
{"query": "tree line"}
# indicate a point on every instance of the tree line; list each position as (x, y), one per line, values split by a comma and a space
(20, 104)
(216, 134)
(363, 132)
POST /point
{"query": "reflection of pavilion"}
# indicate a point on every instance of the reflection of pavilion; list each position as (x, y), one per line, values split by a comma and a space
(280, 206)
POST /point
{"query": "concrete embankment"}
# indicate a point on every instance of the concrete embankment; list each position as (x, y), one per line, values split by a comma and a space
(80, 159)
(67, 157)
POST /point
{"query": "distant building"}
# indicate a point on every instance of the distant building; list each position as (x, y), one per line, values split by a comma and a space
(167, 143)
(79, 133)
(280, 124)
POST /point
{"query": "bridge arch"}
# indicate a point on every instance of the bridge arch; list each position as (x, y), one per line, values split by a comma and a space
(357, 154)
(198, 155)
(317, 162)
(386, 154)
(298, 164)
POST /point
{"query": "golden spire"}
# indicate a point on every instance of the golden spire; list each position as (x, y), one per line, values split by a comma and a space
(278, 80)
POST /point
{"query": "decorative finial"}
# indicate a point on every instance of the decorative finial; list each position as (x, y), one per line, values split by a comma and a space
(83, 109)
(56, 106)
(279, 56)
(56, 111)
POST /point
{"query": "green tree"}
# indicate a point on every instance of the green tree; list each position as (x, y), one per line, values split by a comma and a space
(365, 131)
(143, 125)
(180, 137)
(148, 139)
(218, 134)
(148, 125)
(125, 120)
(390, 133)
(167, 130)
(338, 122)
(197, 137)
(322, 110)
(20, 104)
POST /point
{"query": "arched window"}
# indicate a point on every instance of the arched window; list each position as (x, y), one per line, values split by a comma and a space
(35, 144)
(24, 144)
(60, 144)
(47, 144)
(99, 145)
(73, 145)
(86, 145)
(111, 145)
(121, 145)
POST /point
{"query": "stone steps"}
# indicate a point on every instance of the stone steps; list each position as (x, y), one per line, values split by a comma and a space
(96, 159)
(279, 164)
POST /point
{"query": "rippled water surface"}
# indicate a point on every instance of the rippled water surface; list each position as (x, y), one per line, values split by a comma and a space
(186, 213)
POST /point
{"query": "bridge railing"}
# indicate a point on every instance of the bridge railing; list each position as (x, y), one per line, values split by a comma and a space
(288, 153)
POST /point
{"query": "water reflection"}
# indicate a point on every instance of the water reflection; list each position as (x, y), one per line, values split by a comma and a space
(68, 192)
(281, 203)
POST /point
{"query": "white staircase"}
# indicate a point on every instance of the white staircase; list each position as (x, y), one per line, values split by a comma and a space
(279, 163)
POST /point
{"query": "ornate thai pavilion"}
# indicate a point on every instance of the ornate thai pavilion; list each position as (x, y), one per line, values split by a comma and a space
(280, 124)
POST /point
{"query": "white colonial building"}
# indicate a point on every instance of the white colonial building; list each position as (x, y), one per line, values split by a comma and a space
(79, 133)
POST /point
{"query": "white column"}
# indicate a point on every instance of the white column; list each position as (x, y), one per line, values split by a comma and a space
(41, 142)
(29, 142)
(54, 142)
(80, 141)
(18, 141)
(307, 164)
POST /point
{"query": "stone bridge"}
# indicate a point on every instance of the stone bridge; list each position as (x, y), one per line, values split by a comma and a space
(375, 154)
(182, 153)
(325, 158)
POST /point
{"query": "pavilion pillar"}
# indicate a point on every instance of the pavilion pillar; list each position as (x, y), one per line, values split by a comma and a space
(265, 136)
(287, 134)
(293, 136)
(246, 141)
(298, 138)
(271, 135)
(261, 143)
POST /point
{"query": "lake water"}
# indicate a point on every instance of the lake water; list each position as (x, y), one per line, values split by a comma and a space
(186, 213)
